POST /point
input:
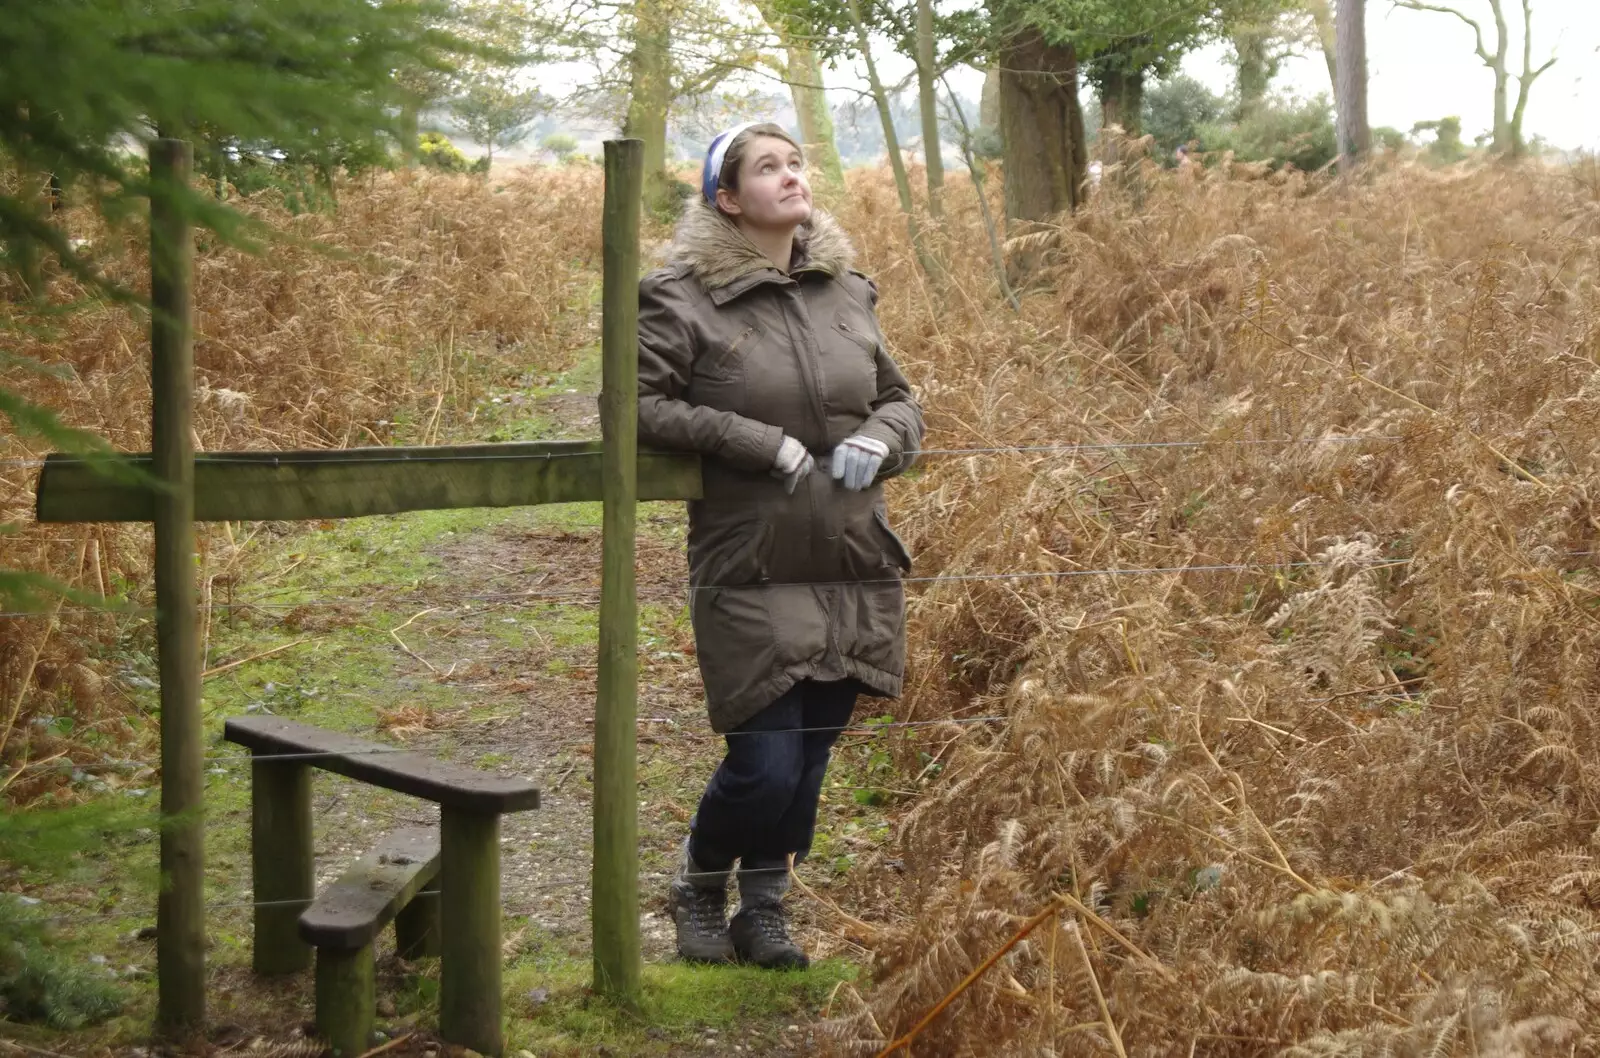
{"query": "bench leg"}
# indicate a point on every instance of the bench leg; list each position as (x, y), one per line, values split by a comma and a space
(416, 928)
(346, 1000)
(281, 864)
(469, 969)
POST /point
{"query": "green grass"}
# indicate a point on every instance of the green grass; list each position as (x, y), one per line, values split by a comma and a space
(553, 1011)
(347, 669)
(386, 551)
(505, 412)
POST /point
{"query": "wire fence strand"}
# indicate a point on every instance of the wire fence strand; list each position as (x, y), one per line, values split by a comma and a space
(425, 894)
(854, 728)
(592, 594)
(307, 458)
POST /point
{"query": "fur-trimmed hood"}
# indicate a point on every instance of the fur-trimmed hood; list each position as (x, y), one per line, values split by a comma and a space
(718, 253)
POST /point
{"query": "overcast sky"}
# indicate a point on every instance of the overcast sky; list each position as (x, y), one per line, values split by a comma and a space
(1422, 67)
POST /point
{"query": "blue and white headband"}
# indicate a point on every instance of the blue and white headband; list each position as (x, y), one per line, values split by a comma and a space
(711, 175)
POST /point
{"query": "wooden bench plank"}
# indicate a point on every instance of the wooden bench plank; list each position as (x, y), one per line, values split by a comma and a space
(351, 912)
(356, 482)
(409, 773)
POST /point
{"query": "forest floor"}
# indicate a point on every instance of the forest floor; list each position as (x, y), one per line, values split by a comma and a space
(371, 626)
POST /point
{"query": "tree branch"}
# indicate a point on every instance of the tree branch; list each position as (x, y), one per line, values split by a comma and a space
(1418, 5)
(724, 68)
(1527, 77)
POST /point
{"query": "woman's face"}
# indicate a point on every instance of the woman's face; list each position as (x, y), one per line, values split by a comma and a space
(773, 193)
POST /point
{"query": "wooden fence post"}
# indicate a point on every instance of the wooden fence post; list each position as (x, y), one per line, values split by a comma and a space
(469, 920)
(180, 906)
(615, 904)
(416, 927)
(282, 861)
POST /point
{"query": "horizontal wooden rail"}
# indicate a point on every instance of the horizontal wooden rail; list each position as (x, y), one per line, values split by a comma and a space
(356, 482)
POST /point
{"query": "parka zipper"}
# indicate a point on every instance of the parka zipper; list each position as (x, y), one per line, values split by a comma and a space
(808, 351)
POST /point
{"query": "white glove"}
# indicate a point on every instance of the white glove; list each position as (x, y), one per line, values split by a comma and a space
(792, 464)
(856, 461)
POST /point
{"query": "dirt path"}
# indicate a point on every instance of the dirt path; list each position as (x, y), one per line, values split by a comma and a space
(525, 670)
(508, 684)
(471, 636)
(540, 698)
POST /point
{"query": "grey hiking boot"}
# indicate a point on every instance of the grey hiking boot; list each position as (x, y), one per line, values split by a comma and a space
(698, 901)
(760, 930)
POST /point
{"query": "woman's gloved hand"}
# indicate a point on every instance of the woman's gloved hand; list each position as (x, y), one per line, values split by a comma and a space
(792, 464)
(856, 461)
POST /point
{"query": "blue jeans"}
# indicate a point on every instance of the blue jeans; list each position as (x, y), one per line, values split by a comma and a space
(761, 803)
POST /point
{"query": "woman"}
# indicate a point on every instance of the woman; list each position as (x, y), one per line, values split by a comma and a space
(759, 348)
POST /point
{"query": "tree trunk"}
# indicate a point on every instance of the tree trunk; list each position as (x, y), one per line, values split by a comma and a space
(1355, 134)
(1122, 106)
(1322, 17)
(930, 108)
(1502, 142)
(976, 170)
(26, 258)
(989, 101)
(1122, 100)
(1041, 127)
(811, 107)
(1079, 140)
(1250, 44)
(807, 89)
(897, 164)
(408, 133)
(1525, 79)
(650, 96)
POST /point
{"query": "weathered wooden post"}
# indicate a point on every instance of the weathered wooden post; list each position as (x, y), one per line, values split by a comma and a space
(416, 928)
(347, 1000)
(615, 905)
(180, 906)
(469, 971)
(282, 864)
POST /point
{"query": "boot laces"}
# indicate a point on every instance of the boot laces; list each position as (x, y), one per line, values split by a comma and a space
(708, 910)
(772, 923)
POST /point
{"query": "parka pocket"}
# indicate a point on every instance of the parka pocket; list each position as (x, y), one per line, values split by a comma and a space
(872, 552)
(895, 550)
(742, 559)
(865, 341)
(723, 362)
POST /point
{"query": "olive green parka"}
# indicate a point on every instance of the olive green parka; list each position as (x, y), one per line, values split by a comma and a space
(734, 354)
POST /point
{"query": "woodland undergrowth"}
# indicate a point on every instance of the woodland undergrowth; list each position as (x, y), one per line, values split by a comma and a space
(1340, 801)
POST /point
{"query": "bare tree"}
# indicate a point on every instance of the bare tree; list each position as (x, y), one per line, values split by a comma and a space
(926, 73)
(1507, 134)
(897, 165)
(801, 69)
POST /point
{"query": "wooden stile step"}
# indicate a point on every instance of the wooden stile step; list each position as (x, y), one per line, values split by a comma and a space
(350, 913)
(371, 762)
